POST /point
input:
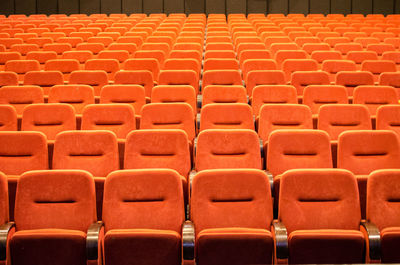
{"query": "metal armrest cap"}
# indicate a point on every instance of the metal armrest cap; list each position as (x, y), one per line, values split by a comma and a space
(188, 239)
(92, 240)
(374, 238)
(282, 249)
(4, 230)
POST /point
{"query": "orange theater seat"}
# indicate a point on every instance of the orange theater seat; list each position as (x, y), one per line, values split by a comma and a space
(362, 152)
(55, 217)
(133, 233)
(8, 118)
(143, 78)
(388, 118)
(44, 79)
(94, 78)
(223, 232)
(21, 96)
(382, 214)
(312, 194)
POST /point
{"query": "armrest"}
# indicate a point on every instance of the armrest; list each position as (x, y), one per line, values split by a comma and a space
(282, 249)
(192, 174)
(261, 147)
(271, 179)
(198, 119)
(92, 240)
(199, 101)
(374, 238)
(4, 230)
(188, 239)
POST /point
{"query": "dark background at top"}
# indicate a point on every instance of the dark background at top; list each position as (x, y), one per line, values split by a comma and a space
(198, 6)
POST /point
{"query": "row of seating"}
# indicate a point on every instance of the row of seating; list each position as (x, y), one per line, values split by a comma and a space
(99, 152)
(143, 218)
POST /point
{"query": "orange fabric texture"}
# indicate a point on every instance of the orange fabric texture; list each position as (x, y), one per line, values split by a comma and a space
(21, 96)
(315, 198)
(49, 119)
(143, 199)
(168, 148)
(136, 77)
(4, 216)
(128, 94)
(382, 192)
(390, 240)
(219, 148)
(315, 96)
(336, 118)
(118, 118)
(45, 79)
(272, 94)
(224, 94)
(8, 118)
(387, 118)
(301, 79)
(362, 152)
(283, 116)
(169, 116)
(264, 77)
(58, 199)
(95, 78)
(175, 94)
(374, 96)
(234, 198)
(179, 77)
(22, 151)
(352, 79)
(94, 151)
(78, 96)
(221, 77)
(226, 116)
(291, 149)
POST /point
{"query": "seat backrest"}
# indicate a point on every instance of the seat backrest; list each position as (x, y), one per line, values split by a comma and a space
(175, 94)
(8, 118)
(22, 151)
(283, 116)
(219, 148)
(128, 94)
(179, 77)
(375, 96)
(50, 118)
(132, 197)
(44, 79)
(321, 197)
(155, 148)
(4, 215)
(272, 94)
(226, 116)
(8, 79)
(316, 96)
(76, 95)
(135, 77)
(337, 118)
(93, 151)
(63, 199)
(291, 149)
(378, 66)
(21, 96)
(116, 117)
(362, 152)
(22, 66)
(352, 79)
(221, 77)
(390, 79)
(224, 94)
(301, 79)
(226, 198)
(169, 116)
(388, 118)
(149, 64)
(94, 78)
(382, 196)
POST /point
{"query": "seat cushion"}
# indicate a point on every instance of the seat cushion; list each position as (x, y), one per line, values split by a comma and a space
(232, 246)
(48, 247)
(390, 245)
(142, 246)
(326, 246)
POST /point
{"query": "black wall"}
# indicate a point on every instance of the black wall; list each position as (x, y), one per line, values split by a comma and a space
(198, 6)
